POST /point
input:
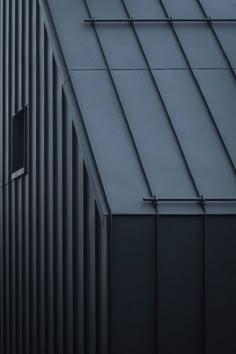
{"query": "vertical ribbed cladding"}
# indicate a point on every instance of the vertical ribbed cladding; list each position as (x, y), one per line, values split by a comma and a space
(18, 184)
(33, 179)
(48, 217)
(98, 281)
(49, 196)
(68, 300)
(6, 193)
(58, 180)
(2, 22)
(77, 247)
(25, 191)
(89, 266)
(12, 239)
(40, 185)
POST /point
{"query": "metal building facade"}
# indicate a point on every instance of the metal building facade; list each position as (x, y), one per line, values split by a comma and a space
(120, 237)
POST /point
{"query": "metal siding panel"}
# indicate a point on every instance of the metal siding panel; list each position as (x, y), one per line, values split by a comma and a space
(221, 288)
(33, 206)
(133, 285)
(26, 185)
(12, 240)
(180, 285)
(1, 274)
(89, 266)
(13, 268)
(76, 246)
(81, 256)
(59, 334)
(102, 250)
(41, 184)
(19, 300)
(1, 88)
(49, 205)
(68, 229)
(6, 273)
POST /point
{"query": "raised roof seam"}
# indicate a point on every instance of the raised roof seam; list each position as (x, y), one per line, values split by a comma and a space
(200, 90)
(163, 102)
(119, 101)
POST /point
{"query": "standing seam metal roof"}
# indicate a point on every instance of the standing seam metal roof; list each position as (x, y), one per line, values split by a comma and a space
(158, 99)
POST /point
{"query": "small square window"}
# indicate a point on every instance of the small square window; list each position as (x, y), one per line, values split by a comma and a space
(18, 143)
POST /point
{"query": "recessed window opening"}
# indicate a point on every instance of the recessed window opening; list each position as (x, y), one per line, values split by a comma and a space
(18, 143)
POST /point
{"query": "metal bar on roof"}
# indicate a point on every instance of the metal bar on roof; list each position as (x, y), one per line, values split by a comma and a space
(217, 38)
(183, 200)
(160, 20)
(119, 100)
(162, 100)
(200, 90)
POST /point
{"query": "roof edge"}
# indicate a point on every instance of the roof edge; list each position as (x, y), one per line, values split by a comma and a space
(70, 93)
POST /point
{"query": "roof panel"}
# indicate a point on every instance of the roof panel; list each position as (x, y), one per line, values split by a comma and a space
(220, 8)
(183, 8)
(196, 132)
(158, 149)
(120, 46)
(145, 9)
(106, 8)
(219, 88)
(159, 45)
(226, 33)
(200, 46)
(110, 140)
(78, 42)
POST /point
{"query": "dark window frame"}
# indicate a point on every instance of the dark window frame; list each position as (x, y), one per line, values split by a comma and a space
(16, 157)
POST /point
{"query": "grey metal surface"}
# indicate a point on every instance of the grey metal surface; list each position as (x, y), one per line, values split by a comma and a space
(51, 218)
(204, 127)
(178, 292)
(75, 277)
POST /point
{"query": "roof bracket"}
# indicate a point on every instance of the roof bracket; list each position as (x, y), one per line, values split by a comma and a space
(153, 200)
(210, 20)
(203, 202)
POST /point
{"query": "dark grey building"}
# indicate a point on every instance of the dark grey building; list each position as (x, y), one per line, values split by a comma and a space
(117, 176)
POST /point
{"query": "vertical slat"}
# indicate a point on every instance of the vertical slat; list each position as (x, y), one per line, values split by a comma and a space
(81, 255)
(49, 212)
(19, 299)
(25, 101)
(2, 53)
(40, 185)
(58, 193)
(67, 228)
(76, 244)
(6, 173)
(98, 282)
(6, 271)
(13, 207)
(102, 232)
(89, 266)
(19, 204)
(33, 170)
